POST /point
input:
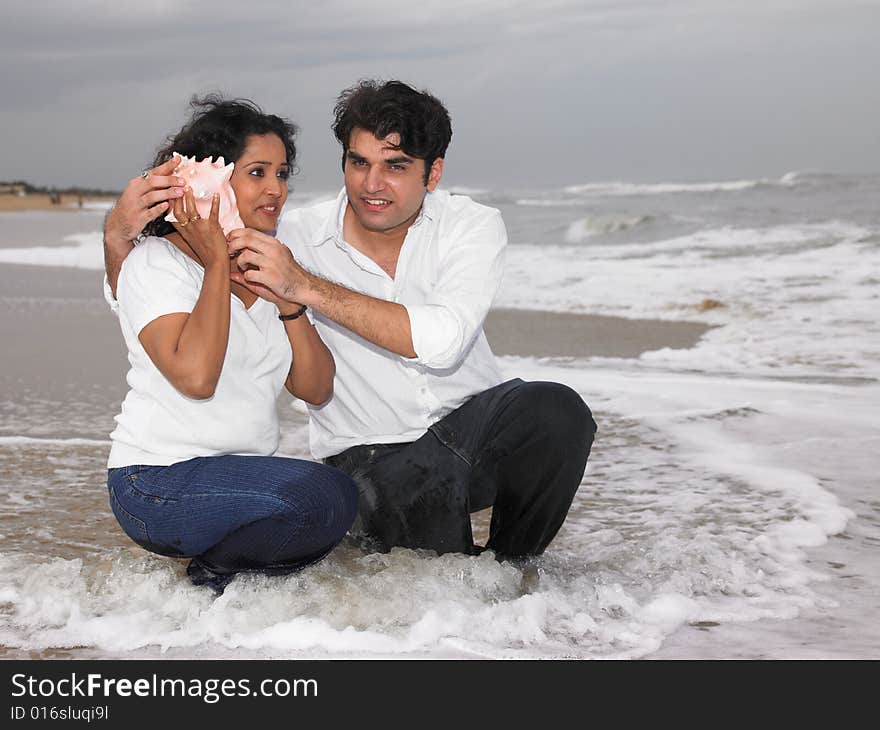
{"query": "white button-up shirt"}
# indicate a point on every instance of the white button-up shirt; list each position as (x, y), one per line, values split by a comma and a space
(448, 273)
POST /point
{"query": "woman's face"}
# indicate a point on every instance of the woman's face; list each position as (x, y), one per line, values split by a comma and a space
(259, 180)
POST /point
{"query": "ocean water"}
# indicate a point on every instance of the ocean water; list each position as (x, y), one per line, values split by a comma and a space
(730, 506)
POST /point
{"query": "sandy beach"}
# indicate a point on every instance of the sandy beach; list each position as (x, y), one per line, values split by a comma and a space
(41, 201)
(728, 510)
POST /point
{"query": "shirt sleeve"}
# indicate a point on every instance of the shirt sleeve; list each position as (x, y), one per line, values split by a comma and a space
(154, 281)
(109, 298)
(446, 323)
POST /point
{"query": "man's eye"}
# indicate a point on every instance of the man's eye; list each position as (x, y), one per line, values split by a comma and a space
(359, 163)
(397, 168)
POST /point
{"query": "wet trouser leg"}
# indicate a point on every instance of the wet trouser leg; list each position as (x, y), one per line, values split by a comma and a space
(520, 447)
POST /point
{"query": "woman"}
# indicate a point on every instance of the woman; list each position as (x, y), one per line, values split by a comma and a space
(191, 471)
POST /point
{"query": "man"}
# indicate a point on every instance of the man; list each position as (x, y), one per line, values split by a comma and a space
(398, 277)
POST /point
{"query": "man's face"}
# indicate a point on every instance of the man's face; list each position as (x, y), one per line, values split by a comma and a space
(386, 186)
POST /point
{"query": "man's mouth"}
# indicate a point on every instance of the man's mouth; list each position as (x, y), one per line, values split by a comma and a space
(376, 203)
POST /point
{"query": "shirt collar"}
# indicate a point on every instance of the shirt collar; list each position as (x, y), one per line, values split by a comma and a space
(333, 227)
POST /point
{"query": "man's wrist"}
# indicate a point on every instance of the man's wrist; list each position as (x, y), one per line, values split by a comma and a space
(311, 294)
(116, 241)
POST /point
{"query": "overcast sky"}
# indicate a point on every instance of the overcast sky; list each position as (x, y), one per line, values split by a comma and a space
(541, 92)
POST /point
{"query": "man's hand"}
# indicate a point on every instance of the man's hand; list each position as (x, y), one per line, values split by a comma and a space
(143, 199)
(267, 267)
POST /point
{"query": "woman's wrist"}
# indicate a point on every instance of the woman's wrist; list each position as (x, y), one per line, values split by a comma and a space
(216, 263)
(291, 310)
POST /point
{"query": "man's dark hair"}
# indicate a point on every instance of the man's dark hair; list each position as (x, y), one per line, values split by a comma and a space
(219, 127)
(383, 108)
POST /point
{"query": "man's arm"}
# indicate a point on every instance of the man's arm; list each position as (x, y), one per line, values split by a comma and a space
(116, 249)
(437, 332)
(381, 322)
(143, 199)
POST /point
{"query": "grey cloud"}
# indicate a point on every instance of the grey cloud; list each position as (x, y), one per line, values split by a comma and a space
(554, 92)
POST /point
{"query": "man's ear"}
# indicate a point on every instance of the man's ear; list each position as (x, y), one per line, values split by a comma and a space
(434, 174)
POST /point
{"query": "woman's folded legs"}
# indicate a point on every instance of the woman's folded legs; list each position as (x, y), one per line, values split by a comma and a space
(235, 513)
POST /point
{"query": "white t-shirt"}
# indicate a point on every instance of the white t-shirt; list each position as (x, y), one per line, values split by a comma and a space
(448, 273)
(160, 426)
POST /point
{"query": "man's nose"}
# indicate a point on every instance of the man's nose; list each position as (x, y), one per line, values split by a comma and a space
(375, 179)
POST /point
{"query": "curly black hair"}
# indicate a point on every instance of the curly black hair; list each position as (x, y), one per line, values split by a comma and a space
(219, 127)
(383, 108)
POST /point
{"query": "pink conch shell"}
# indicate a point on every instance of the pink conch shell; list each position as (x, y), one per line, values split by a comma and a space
(206, 178)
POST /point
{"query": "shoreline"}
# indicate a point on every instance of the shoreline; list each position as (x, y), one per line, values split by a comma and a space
(10, 203)
(75, 319)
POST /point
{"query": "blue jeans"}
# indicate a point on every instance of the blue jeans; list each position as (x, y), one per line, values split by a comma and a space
(235, 513)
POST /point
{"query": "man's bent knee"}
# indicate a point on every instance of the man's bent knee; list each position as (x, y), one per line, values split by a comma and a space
(559, 411)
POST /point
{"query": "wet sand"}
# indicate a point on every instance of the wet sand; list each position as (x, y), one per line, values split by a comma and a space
(543, 334)
(60, 333)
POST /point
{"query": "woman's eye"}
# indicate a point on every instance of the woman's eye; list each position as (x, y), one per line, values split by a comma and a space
(257, 172)
(284, 174)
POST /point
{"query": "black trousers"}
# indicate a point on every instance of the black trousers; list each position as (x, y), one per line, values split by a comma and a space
(520, 447)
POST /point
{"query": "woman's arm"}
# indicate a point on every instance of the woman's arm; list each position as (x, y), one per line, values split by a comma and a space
(189, 348)
(312, 367)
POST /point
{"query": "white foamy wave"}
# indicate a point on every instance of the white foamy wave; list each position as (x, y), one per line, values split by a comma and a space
(626, 188)
(550, 202)
(589, 226)
(696, 520)
(769, 241)
(33, 441)
(464, 190)
(98, 205)
(789, 298)
(86, 253)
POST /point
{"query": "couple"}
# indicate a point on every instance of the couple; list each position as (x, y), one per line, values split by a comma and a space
(382, 294)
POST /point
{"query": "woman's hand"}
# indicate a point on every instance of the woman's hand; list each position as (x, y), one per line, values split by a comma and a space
(204, 236)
